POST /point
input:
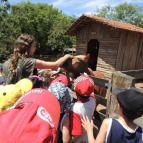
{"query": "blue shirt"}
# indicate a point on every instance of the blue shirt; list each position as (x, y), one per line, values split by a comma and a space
(118, 134)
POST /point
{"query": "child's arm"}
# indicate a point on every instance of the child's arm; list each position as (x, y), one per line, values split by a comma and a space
(101, 137)
(67, 138)
(88, 126)
(65, 130)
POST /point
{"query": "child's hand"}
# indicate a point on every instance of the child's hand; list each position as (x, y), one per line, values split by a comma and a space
(88, 125)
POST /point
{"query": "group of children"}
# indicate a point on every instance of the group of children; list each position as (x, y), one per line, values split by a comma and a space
(46, 96)
(69, 124)
(76, 124)
(70, 128)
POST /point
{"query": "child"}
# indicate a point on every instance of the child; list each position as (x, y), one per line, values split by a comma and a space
(85, 106)
(37, 81)
(123, 129)
(21, 65)
(64, 96)
(49, 76)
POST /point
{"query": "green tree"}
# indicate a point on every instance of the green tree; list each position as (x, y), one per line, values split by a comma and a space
(45, 23)
(106, 12)
(124, 12)
(4, 8)
(57, 39)
(73, 18)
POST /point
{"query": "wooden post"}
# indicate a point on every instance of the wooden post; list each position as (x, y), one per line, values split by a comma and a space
(119, 80)
(123, 80)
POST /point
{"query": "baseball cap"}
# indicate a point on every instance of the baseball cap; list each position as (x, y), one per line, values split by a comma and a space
(62, 78)
(62, 93)
(84, 85)
(36, 80)
(131, 99)
(9, 94)
(33, 118)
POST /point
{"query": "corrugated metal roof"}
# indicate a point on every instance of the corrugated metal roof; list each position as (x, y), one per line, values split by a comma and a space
(86, 19)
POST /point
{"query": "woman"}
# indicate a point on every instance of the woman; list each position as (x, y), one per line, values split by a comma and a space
(21, 65)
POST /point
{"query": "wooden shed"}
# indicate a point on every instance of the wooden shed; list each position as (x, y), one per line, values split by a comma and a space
(112, 45)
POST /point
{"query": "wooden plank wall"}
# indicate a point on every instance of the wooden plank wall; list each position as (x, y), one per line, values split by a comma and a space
(81, 47)
(130, 50)
(107, 56)
(130, 53)
(105, 35)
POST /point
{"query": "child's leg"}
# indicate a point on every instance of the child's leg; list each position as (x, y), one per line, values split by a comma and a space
(65, 129)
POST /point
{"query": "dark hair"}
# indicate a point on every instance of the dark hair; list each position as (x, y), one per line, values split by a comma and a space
(131, 115)
(47, 77)
(82, 97)
(21, 49)
(36, 80)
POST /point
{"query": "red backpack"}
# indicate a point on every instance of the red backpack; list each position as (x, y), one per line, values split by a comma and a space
(33, 119)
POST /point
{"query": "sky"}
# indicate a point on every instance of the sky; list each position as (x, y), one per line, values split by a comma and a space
(79, 7)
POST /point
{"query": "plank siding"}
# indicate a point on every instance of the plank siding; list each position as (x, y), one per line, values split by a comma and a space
(107, 56)
(139, 59)
(130, 53)
(118, 49)
(121, 51)
(129, 49)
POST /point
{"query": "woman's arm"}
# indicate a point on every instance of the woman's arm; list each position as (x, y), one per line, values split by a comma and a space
(51, 65)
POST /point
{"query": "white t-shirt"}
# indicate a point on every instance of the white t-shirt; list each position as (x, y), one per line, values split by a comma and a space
(77, 111)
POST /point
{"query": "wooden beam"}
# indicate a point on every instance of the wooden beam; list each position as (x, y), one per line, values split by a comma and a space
(99, 116)
(100, 82)
(101, 100)
(76, 24)
(137, 74)
(115, 29)
(121, 80)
